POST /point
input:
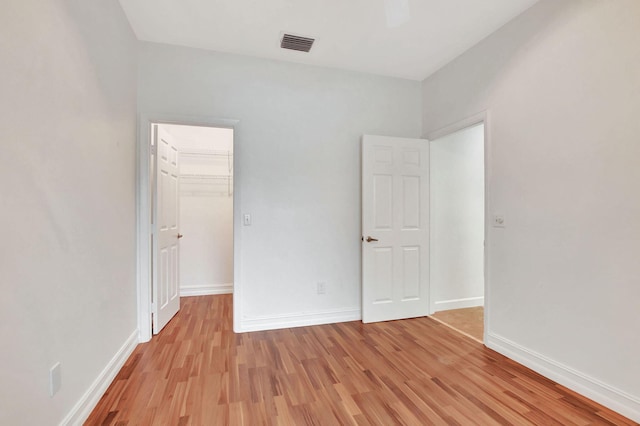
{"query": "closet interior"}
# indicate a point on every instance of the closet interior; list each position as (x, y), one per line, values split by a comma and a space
(206, 172)
(206, 160)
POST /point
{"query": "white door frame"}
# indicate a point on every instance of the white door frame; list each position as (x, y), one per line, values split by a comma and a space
(480, 118)
(143, 212)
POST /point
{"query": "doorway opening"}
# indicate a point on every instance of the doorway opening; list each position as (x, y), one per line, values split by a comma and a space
(197, 163)
(205, 208)
(457, 223)
(199, 211)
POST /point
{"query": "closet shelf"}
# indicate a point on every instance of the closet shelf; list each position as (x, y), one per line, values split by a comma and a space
(206, 153)
(197, 176)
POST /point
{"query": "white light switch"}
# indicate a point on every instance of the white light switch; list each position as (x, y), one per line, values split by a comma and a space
(498, 221)
(246, 219)
(55, 379)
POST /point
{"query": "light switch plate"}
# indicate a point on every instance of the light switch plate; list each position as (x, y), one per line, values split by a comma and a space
(55, 379)
(498, 221)
(246, 219)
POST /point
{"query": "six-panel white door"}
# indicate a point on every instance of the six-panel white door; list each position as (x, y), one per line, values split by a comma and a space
(166, 293)
(395, 220)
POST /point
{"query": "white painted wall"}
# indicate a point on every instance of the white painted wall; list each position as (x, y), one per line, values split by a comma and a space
(562, 88)
(206, 209)
(457, 219)
(297, 169)
(206, 251)
(67, 185)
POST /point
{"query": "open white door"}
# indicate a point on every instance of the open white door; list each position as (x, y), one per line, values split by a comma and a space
(395, 228)
(166, 293)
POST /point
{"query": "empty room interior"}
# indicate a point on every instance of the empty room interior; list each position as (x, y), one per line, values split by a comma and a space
(290, 212)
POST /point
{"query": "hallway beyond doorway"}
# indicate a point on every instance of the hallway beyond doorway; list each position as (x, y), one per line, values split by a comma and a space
(468, 321)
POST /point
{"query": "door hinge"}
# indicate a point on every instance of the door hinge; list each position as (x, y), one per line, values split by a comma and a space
(154, 149)
(153, 308)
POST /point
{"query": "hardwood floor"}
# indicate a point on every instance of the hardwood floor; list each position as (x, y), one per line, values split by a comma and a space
(413, 372)
(469, 321)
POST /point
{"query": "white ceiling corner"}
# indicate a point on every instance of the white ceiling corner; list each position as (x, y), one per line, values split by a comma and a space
(352, 35)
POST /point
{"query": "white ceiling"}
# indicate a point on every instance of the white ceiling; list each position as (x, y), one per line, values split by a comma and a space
(350, 34)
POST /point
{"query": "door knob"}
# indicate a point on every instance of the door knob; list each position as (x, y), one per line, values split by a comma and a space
(180, 235)
(369, 239)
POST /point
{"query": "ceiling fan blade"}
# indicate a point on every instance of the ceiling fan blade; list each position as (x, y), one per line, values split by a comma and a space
(397, 12)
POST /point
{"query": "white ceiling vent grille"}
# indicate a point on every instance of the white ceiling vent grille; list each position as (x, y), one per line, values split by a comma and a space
(294, 42)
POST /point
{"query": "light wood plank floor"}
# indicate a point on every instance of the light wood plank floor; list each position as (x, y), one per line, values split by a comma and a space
(412, 372)
(469, 321)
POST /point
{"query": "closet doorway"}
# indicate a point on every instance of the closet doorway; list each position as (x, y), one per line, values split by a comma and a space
(205, 198)
(149, 204)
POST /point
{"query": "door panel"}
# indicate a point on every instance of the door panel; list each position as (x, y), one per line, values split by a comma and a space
(411, 202)
(410, 273)
(166, 294)
(383, 196)
(382, 280)
(395, 212)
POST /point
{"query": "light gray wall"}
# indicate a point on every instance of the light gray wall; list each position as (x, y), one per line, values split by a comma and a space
(562, 88)
(67, 185)
(457, 219)
(297, 165)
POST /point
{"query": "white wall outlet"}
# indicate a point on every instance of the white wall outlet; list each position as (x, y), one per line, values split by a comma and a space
(498, 221)
(55, 379)
(322, 287)
(246, 219)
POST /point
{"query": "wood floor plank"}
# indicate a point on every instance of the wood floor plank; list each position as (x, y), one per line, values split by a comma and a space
(409, 372)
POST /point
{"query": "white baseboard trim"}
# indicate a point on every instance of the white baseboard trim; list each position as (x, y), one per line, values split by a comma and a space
(89, 400)
(624, 403)
(300, 319)
(469, 302)
(205, 289)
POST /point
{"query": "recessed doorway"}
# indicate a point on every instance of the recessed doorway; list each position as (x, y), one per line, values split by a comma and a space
(457, 207)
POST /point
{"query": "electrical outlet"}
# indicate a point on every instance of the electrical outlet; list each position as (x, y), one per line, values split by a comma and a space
(322, 287)
(498, 221)
(55, 379)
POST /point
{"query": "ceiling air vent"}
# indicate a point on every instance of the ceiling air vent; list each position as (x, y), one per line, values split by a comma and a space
(294, 42)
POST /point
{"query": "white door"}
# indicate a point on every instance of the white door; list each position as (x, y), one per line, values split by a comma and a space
(166, 294)
(395, 228)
